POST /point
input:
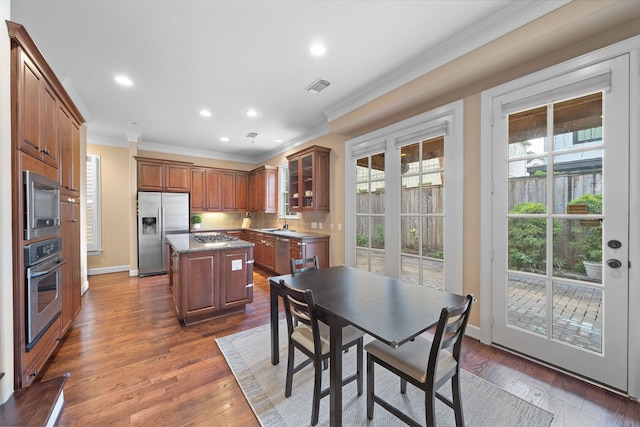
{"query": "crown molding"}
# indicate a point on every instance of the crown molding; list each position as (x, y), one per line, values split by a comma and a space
(511, 17)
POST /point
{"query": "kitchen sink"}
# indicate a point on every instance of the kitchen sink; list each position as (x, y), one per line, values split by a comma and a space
(269, 229)
(277, 230)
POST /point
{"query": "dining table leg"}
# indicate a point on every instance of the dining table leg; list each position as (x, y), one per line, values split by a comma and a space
(274, 293)
(335, 372)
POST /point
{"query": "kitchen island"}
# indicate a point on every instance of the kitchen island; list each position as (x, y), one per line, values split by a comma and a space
(210, 275)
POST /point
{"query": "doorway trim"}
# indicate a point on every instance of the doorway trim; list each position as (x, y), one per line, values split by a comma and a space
(632, 48)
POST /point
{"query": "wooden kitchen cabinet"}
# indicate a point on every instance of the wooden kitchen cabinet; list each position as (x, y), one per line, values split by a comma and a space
(309, 180)
(210, 284)
(307, 247)
(263, 188)
(46, 139)
(71, 280)
(198, 197)
(37, 112)
(234, 190)
(236, 278)
(69, 138)
(161, 175)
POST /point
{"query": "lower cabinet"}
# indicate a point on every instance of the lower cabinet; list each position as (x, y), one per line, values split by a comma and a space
(211, 284)
(308, 247)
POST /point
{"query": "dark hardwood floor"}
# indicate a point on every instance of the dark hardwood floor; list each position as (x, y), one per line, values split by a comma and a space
(132, 363)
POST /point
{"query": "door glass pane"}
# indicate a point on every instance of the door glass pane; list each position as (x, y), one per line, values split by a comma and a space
(370, 213)
(577, 315)
(527, 303)
(362, 198)
(422, 212)
(528, 132)
(568, 221)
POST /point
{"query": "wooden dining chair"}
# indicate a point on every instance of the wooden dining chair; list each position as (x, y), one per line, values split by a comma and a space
(304, 264)
(311, 337)
(427, 364)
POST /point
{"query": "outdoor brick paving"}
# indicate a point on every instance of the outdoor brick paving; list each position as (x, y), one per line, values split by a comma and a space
(577, 311)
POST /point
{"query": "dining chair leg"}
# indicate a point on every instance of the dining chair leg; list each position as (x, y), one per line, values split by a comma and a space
(457, 401)
(370, 387)
(290, 367)
(403, 386)
(430, 406)
(317, 389)
(360, 355)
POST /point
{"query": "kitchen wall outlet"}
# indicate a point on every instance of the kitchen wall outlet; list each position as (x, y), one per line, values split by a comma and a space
(332, 227)
(314, 225)
(339, 226)
(320, 225)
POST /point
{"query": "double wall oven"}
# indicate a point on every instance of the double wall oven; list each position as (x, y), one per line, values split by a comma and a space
(42, 259)
(43, 293)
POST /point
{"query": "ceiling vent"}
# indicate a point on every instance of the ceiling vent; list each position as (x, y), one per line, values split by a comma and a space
(251, 135)
(318, 86)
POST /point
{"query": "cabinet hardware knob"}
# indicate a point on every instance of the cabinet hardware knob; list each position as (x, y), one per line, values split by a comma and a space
(35, 374)
(250, 285)
(250, 261)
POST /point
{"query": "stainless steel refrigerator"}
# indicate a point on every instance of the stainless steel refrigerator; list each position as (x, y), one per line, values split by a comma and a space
(159, 214)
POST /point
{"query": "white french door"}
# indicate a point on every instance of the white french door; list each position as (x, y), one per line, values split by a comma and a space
(560, 213)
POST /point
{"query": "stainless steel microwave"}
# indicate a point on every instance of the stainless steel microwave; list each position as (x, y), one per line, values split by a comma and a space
(42, 206)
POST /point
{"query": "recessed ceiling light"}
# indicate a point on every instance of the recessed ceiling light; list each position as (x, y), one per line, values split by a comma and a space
(205, 113)
(251, 113)
(131, 122)
(123, 80)
(224, 139)
(278, 141)
(318, 49)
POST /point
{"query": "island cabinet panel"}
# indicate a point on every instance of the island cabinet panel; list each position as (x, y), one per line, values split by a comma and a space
(199, 289)
(210, 283)
(237, 277)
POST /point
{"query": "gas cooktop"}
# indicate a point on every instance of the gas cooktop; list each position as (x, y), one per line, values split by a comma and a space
(213, 238)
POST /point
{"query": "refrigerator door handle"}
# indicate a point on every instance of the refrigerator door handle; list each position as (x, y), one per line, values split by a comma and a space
(160, 223)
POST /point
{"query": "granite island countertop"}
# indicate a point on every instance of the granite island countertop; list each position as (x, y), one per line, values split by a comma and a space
(186, 243)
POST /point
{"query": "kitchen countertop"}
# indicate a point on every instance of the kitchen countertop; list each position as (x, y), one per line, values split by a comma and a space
(278, 232)
(185, 243)
(287, 233)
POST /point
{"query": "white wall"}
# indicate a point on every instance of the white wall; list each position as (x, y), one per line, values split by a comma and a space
(6, 271)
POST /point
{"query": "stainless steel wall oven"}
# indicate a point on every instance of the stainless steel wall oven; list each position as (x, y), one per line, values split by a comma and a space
(43, 293)
(42, 206)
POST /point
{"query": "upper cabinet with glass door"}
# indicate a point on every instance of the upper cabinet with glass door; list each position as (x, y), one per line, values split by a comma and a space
(309, 180)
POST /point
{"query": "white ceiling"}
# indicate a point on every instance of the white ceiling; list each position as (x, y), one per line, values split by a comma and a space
(228, 56)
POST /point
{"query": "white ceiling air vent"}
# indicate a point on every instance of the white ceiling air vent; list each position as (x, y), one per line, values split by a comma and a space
(251, 136)
(318, 86)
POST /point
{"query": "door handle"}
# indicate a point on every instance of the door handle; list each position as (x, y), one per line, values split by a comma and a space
(614, 263)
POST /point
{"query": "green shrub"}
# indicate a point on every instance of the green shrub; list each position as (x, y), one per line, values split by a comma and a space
(528, 238)
(588, 239)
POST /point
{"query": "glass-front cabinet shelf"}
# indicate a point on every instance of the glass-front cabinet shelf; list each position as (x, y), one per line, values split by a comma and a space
(309, 180)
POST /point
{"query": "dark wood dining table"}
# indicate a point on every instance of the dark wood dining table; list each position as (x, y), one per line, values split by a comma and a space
(388, 309)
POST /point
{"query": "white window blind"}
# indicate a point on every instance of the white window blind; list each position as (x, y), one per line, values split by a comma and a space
(94, 246)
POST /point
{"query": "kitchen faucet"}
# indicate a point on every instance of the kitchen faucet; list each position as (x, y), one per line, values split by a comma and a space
(285, 226)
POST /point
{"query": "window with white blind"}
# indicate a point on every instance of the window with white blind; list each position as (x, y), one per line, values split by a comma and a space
(94, 246)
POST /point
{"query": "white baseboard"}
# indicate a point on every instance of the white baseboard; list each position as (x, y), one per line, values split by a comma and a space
(84, 288)
(134, 273)
(106, 270)
(473, 332)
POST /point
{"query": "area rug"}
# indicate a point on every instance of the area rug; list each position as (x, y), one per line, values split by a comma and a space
(248, 355)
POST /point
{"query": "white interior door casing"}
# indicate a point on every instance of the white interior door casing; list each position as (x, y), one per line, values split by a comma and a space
(620, 343)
